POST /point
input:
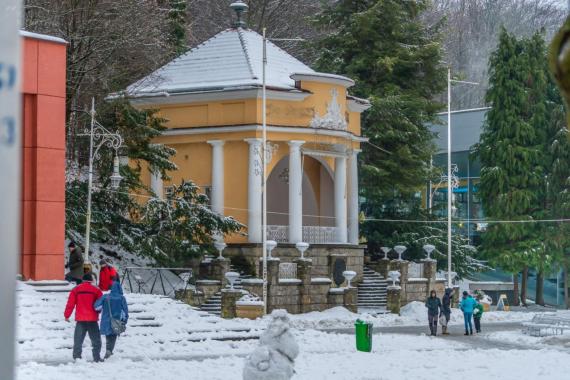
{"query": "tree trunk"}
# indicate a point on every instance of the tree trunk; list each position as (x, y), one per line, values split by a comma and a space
(516, 289)
(524, 282)
(566, 300)
(540, 288)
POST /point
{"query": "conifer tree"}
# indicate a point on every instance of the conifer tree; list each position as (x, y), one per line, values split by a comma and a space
(558, 145)
(511, 152)
(177, 26)
(395, 60)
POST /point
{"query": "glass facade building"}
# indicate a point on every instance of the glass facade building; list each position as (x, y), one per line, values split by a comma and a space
(466, 127)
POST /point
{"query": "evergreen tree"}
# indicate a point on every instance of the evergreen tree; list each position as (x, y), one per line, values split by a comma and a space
(179, 227)
(511, 151)
(559, 151)
(395, 60)
(170, 231)
(177, 26)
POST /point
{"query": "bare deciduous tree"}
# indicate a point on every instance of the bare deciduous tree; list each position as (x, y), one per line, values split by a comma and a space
(471, 34)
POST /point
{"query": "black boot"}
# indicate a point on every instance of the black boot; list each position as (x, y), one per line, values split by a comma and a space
(466, 332)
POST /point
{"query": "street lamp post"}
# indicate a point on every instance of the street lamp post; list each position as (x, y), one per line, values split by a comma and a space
(99, 136)
(264, 158)
(449, 170)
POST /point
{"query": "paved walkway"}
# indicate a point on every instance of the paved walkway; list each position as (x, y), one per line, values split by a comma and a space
(456, 334)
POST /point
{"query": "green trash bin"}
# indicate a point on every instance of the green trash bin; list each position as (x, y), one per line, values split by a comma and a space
(363, 332)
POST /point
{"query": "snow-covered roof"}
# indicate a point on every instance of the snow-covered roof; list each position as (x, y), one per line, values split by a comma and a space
(45, 37)
(232, 59)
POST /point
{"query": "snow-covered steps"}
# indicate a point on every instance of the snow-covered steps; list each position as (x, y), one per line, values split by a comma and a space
(51, 286)
(213, 305)
(372, 292)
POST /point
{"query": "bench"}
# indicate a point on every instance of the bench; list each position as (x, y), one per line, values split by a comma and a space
(547, 324)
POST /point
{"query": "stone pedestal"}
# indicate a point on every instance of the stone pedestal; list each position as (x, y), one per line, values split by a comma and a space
(456, 296)
(393, 304)
(402, 267)
(430, 270)
(350, 300)
(382, 267)
(189, 296)
(304, 267)
(229, 299)
(272, 271)
(219, 269)
(208, 287)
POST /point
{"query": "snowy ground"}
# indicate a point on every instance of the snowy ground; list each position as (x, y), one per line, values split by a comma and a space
(166, 339)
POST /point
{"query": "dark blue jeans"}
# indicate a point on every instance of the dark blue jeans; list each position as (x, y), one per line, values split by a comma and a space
(467, 317)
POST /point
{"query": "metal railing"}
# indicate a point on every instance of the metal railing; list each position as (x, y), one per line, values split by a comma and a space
(415, 270)
(159, 281)
(287, 271)
(311, 234)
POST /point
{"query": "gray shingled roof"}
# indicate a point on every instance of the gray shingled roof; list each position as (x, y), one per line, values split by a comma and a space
(230, 59)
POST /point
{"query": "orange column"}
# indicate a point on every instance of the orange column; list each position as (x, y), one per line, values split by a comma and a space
(43, 193)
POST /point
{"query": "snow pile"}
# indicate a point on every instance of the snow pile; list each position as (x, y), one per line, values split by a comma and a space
(249, 300)
(414, 311)
(517, 337)
(412, 314)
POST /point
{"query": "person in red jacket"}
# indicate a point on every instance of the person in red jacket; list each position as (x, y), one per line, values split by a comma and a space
(82, 298)
(107, 275)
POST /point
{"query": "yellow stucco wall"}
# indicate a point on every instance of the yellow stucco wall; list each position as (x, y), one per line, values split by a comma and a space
(194, 154)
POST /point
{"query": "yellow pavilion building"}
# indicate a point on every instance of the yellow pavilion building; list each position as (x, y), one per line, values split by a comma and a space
(212, 99)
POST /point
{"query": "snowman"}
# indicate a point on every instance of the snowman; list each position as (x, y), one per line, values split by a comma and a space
(275, 356)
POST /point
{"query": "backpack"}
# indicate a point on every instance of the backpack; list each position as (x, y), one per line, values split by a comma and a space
(117, 325)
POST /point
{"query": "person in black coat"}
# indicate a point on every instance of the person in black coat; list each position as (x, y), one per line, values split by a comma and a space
(446, 308)
(434, 307)
(75, 264)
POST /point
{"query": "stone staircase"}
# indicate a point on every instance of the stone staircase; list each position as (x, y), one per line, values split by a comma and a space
(213, 305)
(372, 292)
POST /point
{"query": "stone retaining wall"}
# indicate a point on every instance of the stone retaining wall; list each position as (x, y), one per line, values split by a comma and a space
(320, 254)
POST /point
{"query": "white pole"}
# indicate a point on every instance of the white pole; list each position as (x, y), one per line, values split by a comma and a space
(10, 173)
(449, 194)
(264, 174)
(89, 186)
(430, 200)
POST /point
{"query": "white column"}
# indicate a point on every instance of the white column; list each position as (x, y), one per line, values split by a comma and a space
(353, 197)
(295, 192)
(156, 184)
(340, 198)
(217, 176)
(254, 191)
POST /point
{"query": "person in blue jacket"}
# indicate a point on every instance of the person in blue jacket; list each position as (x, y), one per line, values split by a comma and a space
(467, 305)
(115, 303)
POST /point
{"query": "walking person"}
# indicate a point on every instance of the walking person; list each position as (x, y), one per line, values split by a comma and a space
(433, 305)
(82, 298)
(112, 306)
(74, 264)
(467, 306)
(477, 314)
(107, 275)
(446, 309)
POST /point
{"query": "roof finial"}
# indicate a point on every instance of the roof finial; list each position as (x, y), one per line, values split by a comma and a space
(240, 8)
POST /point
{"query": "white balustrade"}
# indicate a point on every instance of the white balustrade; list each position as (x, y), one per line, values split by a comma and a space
(287, 271)
(311, 234)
